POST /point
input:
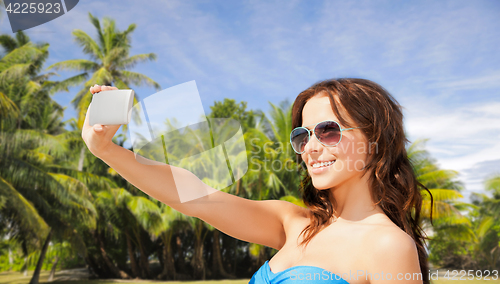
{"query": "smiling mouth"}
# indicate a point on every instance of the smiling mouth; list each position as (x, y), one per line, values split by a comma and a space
(322, 164)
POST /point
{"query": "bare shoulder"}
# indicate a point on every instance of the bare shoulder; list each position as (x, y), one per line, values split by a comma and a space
(391, 238)
(393, 252)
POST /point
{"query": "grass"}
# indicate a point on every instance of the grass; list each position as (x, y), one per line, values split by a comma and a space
(447, 276)
(465, 281)
(19, 278)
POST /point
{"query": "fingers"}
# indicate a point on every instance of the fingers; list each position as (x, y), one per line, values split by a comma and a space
(86, 122)
(96, 88)
(107, 88)
(98, 128)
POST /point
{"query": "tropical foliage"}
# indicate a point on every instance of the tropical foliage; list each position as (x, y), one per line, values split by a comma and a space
(61, 207)
(475, 242)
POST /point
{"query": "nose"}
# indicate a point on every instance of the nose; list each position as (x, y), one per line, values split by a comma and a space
(312, 145)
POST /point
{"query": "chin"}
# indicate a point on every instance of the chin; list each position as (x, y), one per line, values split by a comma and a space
(322, 185)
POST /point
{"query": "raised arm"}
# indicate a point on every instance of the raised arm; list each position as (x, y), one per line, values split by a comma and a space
(260, 222)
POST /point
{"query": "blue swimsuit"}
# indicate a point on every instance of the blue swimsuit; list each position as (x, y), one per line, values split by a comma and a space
(302, 274)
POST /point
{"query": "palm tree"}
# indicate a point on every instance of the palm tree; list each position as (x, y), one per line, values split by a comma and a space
(267, 145)
(45, 199)
(172, 221)
(19, 216)
(442, 184)
(128, 216)
(31, 143)
(490, 247)
(473, 244)
(493, 185)
(109, 64)
(273, 172)
(21, 82)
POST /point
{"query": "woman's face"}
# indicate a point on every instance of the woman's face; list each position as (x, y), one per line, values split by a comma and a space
(348, 157)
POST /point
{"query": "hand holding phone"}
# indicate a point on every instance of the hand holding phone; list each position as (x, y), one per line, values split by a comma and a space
(111, 107)
(104, 116)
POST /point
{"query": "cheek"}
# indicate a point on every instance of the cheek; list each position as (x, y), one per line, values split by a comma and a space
(352, 156)
(304, 159)
(360, 157)
(359, 162)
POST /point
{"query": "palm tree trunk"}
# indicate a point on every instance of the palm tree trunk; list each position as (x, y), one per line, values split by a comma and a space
(82, 158)
(97, 267)
(25, 252)
(11, 260)
(115, 270)
(168, 272)
(133, 261)
(169, 258)
(53, 270)
(36, 274)
(180, 261)
(144, 262)
(93, 267)
(217, 266)
(198, 260)
(25, 266)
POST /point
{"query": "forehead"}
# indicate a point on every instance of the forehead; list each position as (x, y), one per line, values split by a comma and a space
(317, 109)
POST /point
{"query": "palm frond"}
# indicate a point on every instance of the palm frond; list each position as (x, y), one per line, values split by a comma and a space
(493, 184)
(137, 79)
(8, 43)
(13, 73)
(440, 194)
(132, 61)
(23, 54)
(75, 65)
(8, 109)
(89, 46)
(70, 82)
(25, 213)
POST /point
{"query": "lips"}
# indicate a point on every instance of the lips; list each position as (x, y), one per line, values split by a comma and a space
(318, 167)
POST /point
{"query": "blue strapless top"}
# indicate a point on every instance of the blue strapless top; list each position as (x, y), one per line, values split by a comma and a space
(302, 274)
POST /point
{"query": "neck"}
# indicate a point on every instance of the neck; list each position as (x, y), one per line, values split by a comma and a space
(354, 201)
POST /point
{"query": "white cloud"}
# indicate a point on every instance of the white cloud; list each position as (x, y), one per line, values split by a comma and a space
(464, 139)
(471, 130)
(487, 81)
(421, 51)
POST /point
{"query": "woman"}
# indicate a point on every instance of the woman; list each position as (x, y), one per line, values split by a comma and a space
(363, 200)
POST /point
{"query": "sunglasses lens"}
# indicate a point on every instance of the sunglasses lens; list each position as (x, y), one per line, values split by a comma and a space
(328, 132)
(299, 138)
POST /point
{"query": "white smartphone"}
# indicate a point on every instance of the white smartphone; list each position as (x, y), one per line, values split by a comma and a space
(111, 107)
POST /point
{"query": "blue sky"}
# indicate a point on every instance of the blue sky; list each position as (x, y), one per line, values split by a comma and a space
(439, 59)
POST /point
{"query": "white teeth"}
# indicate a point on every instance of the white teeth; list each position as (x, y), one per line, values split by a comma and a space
(322, 164)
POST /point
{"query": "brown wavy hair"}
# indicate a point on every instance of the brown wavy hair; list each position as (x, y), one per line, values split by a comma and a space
(393, 184)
